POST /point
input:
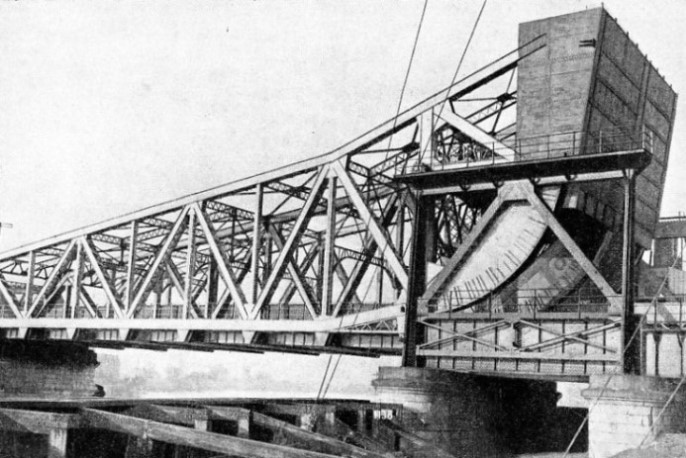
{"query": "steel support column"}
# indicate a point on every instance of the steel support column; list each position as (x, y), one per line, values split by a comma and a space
(212, 286)
(190, 267)
(330, 236)
(400, 238)
(256, 245)
(630, 363)
(77, 272)
(417, 277)
(131, 267)
(28, 294)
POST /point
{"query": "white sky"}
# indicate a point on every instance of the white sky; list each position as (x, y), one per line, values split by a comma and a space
(107, 107)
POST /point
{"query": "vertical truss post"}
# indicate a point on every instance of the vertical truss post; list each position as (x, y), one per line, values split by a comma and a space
(329, 246)
(426, 136)
(65, 290)
(256, 244)
(268, 248)
(400, 237)
(131, 268)
(452, 221)
(190, 266)
(629, 359)
(29, 281)
(417, 277)
(212, 285)
(321, 244)
(234, 215)
(379, 285)
(430, 226)
(77, 272)
(158, 290)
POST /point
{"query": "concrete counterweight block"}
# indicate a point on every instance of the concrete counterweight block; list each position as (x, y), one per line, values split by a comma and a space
(627, 411)
(450, 410)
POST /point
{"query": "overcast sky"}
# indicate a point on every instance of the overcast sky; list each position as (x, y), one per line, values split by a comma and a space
(107, 107)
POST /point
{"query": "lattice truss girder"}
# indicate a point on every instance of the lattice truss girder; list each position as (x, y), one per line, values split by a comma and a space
(311, 243)
(527, 335)
(321, 238)
(556, 345)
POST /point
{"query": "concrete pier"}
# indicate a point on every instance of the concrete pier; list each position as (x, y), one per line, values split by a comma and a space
(467, 415)
(627, 412)
(455, 412)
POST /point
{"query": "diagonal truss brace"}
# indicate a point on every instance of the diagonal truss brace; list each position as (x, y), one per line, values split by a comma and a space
(291, 243)
(369, 248)
(580, 336)
(476, 133)
(470, 335)
(571, 246)
(305, 265)
(577, 336)
(107, 286)
(160, 259)
(9, 299)
(222, 262)
(295, 275)
(54, 277)
(175, 278)
(444, 276)
(381, 236)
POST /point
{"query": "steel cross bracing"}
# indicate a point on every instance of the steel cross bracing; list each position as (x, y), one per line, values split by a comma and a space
(312, 254)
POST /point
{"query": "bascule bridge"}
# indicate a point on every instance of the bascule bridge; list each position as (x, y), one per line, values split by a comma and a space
(498, 228)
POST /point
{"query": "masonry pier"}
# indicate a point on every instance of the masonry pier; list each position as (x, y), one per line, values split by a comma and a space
(632, 411)
(467, 415)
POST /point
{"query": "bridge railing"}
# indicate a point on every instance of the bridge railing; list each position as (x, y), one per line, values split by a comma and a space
(533, 149)
(527, 302)
(673, 219)
(293, 311)
(663, 310)
(300, 312)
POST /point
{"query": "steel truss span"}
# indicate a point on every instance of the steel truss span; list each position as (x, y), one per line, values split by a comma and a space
(315, 253)
(445, 234)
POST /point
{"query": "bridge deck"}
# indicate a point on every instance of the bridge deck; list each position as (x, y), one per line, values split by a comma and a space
(490, 171)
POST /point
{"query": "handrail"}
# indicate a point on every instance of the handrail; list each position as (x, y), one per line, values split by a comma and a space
(533, 149)
(535, 300)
